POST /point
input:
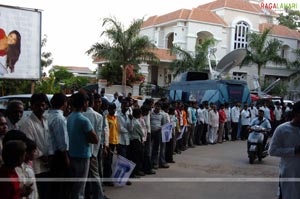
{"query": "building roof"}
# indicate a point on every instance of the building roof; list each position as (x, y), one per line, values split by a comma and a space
(206, 16)
(278, 72)
(205, 12)
(279, 30)
(236, 4)
(78, 69)
(185, 14)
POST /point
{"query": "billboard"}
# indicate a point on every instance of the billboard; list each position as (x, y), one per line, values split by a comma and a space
(20, 43)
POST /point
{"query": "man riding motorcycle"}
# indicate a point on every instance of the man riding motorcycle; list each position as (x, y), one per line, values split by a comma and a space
(262, 125)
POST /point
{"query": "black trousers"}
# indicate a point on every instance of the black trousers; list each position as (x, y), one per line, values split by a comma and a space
(170, 149)
(44, 188)
(136, 154)
(147, 163)
(204, 133)
(234, 126)
(244, 132)
(198, 133)
(107, 161)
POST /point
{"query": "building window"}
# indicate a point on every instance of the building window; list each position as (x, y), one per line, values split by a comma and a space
(170, 41)
(240, 35)
(284, 51)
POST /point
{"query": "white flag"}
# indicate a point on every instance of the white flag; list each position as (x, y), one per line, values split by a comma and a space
(122, 170)
(181, 133)
(166, 132)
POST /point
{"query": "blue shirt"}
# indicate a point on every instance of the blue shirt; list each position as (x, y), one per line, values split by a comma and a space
(58, 130)
(78, 128)
(262, 123)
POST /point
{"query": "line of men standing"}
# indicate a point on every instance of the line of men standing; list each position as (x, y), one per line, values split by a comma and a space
(78, 137)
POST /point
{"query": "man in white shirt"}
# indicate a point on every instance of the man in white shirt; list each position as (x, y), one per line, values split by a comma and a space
(199, 126)
(278, 114)
(213, 124)
(245, 121)
(235, 118)
(116, 100)
(253, 110)
(35, 126)
(205, 125)
(14, 114)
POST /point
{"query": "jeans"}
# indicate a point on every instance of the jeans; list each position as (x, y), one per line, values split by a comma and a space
(158, 147)
(79, 171)
(94, 187)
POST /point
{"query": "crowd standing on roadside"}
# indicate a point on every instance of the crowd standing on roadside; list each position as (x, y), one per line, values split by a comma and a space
(78, 136)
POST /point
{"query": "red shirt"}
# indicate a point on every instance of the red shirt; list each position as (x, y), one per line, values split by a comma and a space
(2, 35)
(9, 189)
(222, 116)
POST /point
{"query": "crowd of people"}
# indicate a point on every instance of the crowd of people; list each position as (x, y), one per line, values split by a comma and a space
(78, 136)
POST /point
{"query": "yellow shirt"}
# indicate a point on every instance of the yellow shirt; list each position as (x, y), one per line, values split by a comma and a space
(113, 129)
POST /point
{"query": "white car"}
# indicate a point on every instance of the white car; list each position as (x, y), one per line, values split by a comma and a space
(25, 98)
(286, 102)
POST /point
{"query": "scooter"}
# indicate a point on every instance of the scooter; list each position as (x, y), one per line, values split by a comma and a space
(255, 144)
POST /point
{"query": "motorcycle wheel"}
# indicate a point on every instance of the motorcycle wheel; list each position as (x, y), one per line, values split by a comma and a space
(251, 158)
(259, 159)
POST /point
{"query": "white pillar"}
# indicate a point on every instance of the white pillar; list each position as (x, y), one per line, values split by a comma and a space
(102, 83)
(144, 69)
(135, 89)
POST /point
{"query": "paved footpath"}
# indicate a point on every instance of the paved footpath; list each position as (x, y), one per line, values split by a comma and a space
(207, 172)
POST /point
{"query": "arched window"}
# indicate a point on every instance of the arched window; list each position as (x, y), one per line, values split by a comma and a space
(240, 35)
(170, 41)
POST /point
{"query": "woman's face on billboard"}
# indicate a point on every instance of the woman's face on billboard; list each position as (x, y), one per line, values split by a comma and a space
(12, 39)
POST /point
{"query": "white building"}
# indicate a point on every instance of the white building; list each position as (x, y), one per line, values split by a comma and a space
(227, 21)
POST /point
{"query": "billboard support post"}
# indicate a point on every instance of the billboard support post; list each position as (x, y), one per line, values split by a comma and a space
(32, 86)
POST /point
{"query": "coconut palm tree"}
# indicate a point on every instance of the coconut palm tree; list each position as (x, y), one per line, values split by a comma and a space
(261, 50)
(189, 62)
(124, 46)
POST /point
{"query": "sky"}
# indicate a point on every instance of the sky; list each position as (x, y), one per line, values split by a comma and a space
(72, 27)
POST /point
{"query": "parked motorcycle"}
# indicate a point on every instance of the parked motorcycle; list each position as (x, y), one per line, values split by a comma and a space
(255, 144)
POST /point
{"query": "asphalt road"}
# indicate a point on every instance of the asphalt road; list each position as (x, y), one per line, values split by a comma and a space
(207, 172)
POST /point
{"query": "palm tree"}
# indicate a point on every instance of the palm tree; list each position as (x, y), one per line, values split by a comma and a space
(188, 62)
(125, 46)
(260, 50)
(296, 63)
(296, 66)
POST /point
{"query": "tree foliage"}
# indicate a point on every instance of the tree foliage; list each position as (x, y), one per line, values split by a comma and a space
(111, 73)
(262, 50)
(123, 47)
(47, 85)
(189, 62)
(64, 79)
(46, 59)
(61, 74)
(10, 87)
(290, 19)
